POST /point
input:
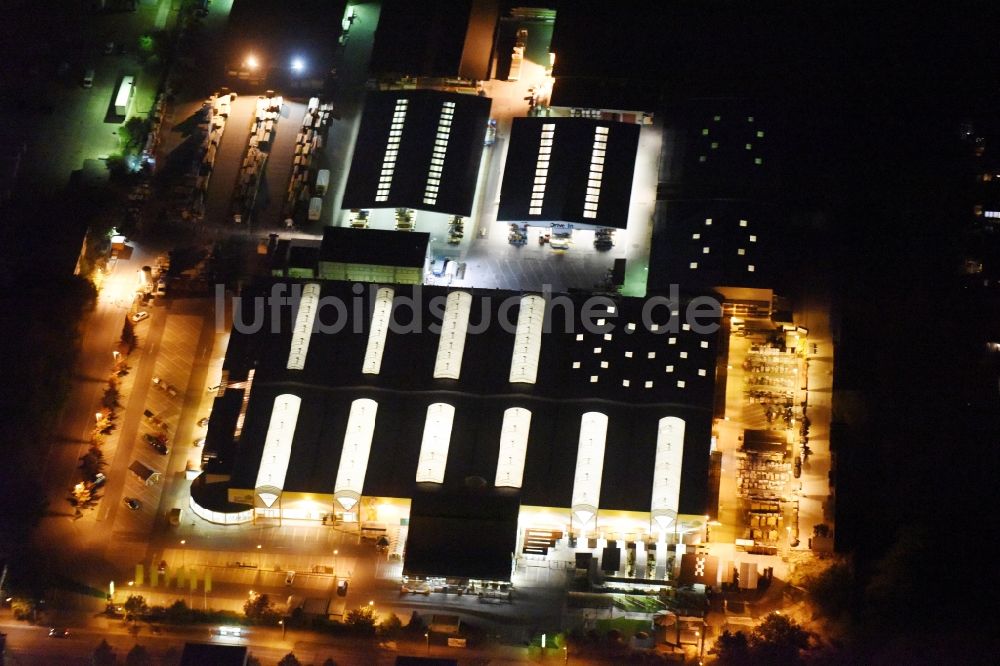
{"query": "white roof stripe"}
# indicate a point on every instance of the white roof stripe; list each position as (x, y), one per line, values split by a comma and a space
(451, 345)
(513, 447)
(381, 315)
(667, 470)
(434, 446)
(357, 448)
(302, 331)
(589, 465)
(527, 340)
(278, 441)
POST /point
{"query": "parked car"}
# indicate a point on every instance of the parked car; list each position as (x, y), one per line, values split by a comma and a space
(139, 316)
(159, 443)
(342, 588)
(58, 633)
(88, 78)
(289, 578)
(99, 480)
(162, 568)
(132, 503)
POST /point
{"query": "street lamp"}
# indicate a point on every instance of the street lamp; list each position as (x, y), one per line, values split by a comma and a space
(251, 62)
(427, 638)
(335, 553)
(298, 65)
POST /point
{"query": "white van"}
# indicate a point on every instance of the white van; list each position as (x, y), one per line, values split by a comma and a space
(322, 181)
(315, 209)
(88, 79)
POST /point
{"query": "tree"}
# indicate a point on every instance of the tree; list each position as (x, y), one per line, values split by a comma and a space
(111, 399)
(259, 609)
(776, 640)
(128, 336)
(138, 656)
(830, 590)
(104, 655)
(390, 627)
(92, 461)
(361, 619)
(133, 133)
(289, 660)
(779, 640)
(81, 495)
(178, 612)
(136, 605)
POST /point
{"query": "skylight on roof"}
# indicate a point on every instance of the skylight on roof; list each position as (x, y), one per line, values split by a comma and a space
(667, 471)
(354, 456)
(302, 331)
(527, 340)
(542, 167)
(278, 441)
(381, 315)
(589, 465)
(439, 152)
(451, 345)
(434, 446)
(391, 149)
(513, 447)
(597, 155)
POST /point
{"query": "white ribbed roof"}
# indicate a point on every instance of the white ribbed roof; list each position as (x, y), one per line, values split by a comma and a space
(513, 447)
(434, 446)
(381, 315)
(451, 345)
(667, 470)
(302, 331)
(354, 456)
(589, 465)
(527, 340)
(278, 441)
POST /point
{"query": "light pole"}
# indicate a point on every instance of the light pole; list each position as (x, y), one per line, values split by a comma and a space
(283, 628)
(427, 638)
(335, 553)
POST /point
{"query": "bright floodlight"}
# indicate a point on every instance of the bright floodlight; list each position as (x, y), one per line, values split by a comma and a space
(252, 62)
(298, 65)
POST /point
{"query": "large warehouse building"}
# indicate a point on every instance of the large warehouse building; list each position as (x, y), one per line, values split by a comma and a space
(581, 416)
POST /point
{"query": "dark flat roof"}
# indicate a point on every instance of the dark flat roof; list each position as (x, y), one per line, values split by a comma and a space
(742, 234)
(374, 246)
(198, 654)
(417, 138)
(566, 183)
(420, 38)
(462, 532)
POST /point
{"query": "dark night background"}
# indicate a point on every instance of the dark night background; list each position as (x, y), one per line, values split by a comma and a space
(875, 182)
(875, 179)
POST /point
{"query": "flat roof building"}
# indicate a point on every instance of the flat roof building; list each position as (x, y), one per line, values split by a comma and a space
(585, 405)
(569, 170)
(418, 149)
